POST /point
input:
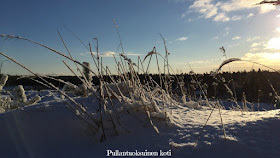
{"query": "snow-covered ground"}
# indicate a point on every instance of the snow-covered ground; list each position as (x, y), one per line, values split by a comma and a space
(49, 130)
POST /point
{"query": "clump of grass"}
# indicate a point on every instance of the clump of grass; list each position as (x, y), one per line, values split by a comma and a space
(15, 99)
(3, 81)
(138, 97)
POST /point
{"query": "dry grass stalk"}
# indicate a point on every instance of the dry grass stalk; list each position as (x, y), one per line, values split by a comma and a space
(78, 106)
(224, 130)
(227, 61)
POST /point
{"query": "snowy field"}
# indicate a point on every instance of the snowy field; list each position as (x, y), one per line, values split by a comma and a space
(50, 130)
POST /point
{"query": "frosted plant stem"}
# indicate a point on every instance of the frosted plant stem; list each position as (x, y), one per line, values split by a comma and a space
(224, 131)
(40, 82)
(53, 50)
(148, 64)
(106, 88)
(74, 72)
(50, 84)
(78, 69)
(160, 80)
(125, 78)
(77, 38)
(146, 77)
(166, 63)
(201, 131)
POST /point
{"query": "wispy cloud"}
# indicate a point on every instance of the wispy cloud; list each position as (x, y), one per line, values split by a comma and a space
(215, 38)
(107, 54)
(133, 54)
(236, 17)
(181, 39)
(253, 38)
(265, 8)
(255, 44)
(218, 10)
(205, 7)
(190, 19)
(235, 5)
(85, 54)
(207, 61)
(221, 17)
(236, 38)
(199, 65)
(254, 49)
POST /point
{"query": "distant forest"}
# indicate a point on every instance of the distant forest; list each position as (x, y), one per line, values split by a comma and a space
(255, 86)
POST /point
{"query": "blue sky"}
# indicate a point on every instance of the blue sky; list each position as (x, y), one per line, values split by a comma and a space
(194, 30)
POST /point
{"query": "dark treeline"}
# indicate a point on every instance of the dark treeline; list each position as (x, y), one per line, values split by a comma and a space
(254, 85)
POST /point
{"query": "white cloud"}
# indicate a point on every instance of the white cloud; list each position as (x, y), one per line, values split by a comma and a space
(215, 38)
(133, 54)
(111, 54)
(235, 5)
(199, 62)
(236, 17)
(254, 49)
(233, 45)
(236, 38)
(278, 29)
(255, 44)
(221, 17)
(86, 54)
(265, 8)
(278, 16)
(182, 39)
(205, 7)
(211, 13)
(273, 43)
(107, 54)
(253, 38)
(217, 10)
(203, 61)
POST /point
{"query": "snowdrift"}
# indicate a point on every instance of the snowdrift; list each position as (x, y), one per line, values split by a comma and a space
(50, 129)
